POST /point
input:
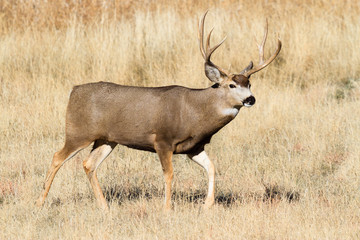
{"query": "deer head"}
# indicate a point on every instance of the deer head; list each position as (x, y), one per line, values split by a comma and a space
(236, 85)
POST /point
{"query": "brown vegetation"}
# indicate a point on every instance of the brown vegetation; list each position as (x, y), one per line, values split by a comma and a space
(300, 138)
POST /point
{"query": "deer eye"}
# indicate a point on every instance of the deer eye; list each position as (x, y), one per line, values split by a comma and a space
(232, 86)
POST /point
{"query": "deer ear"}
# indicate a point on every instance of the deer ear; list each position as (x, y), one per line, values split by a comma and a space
(213, 73)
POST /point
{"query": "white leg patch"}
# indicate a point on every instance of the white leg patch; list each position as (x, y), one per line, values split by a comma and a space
(105, 151)
(98, 156)
(203, 160)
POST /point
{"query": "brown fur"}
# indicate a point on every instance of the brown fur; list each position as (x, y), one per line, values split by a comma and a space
(167, 120)
(241, 80)
(139, 117)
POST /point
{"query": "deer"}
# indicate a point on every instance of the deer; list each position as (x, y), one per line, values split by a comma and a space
(166, 120)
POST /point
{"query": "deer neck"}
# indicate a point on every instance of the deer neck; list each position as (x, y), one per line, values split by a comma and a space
(222, 107)
(214, 106)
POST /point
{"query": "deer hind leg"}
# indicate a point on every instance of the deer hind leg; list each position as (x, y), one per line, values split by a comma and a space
(60, 157)
(100, 151)
(203, 160)
(165, 154)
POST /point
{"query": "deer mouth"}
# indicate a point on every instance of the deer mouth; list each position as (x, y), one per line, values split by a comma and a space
(248, 102)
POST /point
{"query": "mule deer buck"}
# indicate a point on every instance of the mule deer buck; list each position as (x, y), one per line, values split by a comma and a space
(166, 120)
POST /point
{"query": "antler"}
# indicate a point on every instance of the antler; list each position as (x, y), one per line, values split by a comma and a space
(262, 62)
(206, 53)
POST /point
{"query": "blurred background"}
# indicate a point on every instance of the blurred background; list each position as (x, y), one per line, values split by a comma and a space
(286, 168)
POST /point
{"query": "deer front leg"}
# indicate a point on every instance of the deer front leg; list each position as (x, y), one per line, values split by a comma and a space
(203, 160)
(165, 154)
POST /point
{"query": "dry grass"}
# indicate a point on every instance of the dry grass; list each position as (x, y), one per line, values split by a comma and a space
(287, 168)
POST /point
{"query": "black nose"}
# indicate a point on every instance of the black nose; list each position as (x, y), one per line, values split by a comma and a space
(249, 101)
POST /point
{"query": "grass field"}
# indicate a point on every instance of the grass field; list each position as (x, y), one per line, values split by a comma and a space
(286, 168)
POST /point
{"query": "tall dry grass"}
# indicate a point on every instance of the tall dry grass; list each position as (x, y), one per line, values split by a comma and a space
(287, 168)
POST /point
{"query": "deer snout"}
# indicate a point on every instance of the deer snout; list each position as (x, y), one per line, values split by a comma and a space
(248, 102)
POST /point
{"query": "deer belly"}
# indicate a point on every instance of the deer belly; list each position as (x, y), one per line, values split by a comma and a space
(137, 141)
(141, 147)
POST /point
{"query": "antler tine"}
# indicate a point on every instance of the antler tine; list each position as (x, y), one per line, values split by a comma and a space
(262, 62)
(201, 35)
(261, 47)
(206, 53)
(209, 50)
